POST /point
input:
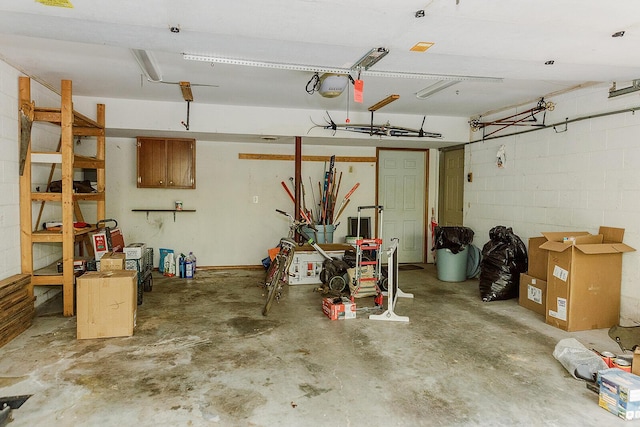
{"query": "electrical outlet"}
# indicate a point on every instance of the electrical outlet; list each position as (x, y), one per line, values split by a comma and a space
(255, 199)
(470, 177)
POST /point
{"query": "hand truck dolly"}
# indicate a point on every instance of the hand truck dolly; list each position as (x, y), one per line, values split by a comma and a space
(368, 270)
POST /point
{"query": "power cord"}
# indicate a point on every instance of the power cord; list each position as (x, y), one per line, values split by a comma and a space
(313, 85)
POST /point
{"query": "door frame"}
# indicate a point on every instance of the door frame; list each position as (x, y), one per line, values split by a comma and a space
(426, 219)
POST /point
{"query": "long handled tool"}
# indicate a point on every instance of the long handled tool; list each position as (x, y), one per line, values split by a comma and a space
(344, 202)
(342, 208)
(293, 199)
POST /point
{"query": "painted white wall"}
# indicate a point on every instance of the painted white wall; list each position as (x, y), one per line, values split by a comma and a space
(560, 181)
(228, 228)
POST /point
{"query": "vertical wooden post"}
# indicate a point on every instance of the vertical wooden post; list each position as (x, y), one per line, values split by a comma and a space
(298, 175)
(101, 155)
(68, 238)
(26, 246)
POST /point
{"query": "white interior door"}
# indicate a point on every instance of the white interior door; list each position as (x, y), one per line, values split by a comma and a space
(402, 193)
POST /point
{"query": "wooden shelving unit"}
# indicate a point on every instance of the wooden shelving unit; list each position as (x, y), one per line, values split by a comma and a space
(71, 124)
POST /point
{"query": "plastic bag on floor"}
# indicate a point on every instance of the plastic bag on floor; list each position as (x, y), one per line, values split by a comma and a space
(578, 360)
(504, 257)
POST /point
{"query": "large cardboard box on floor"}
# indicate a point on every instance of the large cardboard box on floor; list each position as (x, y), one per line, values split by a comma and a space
(533, 294)
(106, 304)
(584, 273)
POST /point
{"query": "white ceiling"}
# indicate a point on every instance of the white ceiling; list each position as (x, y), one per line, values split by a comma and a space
(511, 40)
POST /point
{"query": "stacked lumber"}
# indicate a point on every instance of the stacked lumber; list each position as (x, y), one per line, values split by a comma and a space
(16, 307)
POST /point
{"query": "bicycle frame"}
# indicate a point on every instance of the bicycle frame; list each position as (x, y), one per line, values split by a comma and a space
(278, 272)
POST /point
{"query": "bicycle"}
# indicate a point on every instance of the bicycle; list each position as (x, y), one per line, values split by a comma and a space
(278, 272)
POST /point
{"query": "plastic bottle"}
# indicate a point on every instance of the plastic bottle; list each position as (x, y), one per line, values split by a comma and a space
(181, 266)
(169, 265)
(193, 260)
(188, 268)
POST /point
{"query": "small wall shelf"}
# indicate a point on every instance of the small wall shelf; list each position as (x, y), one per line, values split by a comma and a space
(163, 210)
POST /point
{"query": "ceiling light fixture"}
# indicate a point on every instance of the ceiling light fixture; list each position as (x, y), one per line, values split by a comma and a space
(335, 70)
(419, 13)
(148, 65)
(370, 58)
(618, 34)
(434, 88)
(550, 62)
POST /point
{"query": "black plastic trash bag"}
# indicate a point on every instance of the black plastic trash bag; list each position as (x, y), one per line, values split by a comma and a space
(453, 238)
(504, 257)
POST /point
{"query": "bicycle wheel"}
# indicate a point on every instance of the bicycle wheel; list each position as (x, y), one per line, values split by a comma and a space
(273, 285)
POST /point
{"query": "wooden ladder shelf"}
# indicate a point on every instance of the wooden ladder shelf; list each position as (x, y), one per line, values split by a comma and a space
(71, 124)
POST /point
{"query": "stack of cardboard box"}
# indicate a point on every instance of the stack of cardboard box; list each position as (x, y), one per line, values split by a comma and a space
(533, 284)
(583, 278)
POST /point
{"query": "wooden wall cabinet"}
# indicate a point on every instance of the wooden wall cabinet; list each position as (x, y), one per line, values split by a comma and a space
(166, 162)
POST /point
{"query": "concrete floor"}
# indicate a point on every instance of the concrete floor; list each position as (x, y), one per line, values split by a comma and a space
(202, 354)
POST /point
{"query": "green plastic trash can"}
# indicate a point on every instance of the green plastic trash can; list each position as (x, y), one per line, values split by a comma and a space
(452, 267)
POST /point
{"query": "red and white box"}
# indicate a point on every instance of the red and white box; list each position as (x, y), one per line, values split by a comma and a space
(100, 245)
(339, 308)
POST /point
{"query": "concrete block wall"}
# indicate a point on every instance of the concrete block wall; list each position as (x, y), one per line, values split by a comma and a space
(557, 180)
(9, 188)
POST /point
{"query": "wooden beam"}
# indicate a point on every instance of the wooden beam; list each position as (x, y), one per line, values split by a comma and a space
(68, 237)
(26, 247)
(339, 159)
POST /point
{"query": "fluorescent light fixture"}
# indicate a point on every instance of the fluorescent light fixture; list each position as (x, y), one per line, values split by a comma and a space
(148, 64)
(435, 88)
(370, 58)
(334, 70)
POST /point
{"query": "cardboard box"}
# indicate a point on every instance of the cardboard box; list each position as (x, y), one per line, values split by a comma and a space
(635, 363)
(537, 258)
(116, 240)
(533, 294)
(106, 304)
(135, 250)
(306, 266)
(584, 273)
(112, 261)
(620, 394)
(339, 309)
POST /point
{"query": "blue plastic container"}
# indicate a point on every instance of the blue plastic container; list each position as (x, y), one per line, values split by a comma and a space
(452, 267)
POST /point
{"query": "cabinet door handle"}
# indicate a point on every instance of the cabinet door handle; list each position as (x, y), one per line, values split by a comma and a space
(170, 182)
(160, 181)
